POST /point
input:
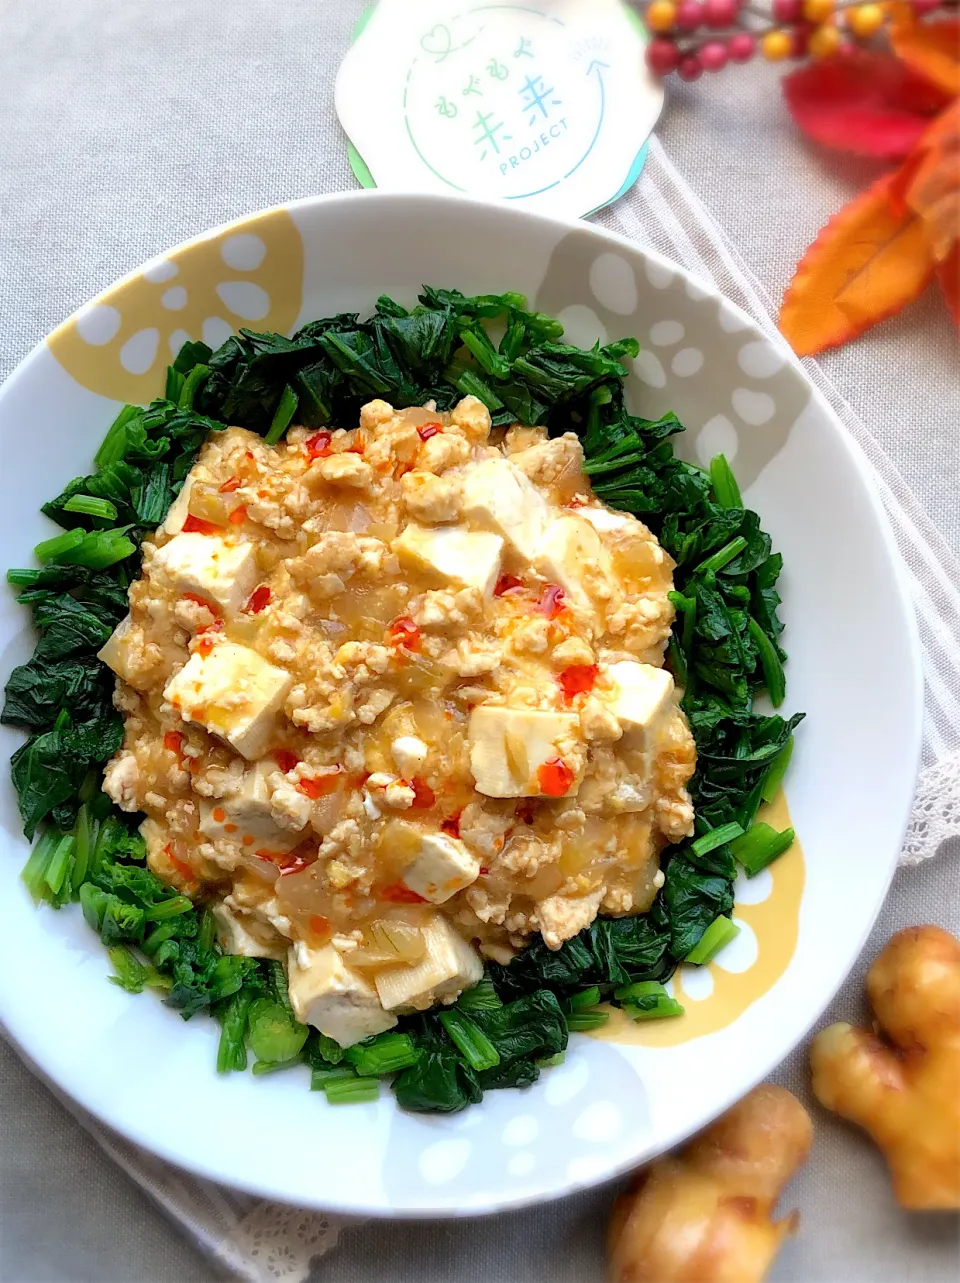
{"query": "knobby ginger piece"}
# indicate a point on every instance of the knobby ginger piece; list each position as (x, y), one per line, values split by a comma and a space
(906, 1095)
(704, 1215)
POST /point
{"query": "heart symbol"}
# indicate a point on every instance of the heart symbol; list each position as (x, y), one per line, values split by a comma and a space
(438, 41)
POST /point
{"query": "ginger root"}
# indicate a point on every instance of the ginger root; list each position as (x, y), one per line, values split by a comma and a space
(907, 1096)
(704, 1215)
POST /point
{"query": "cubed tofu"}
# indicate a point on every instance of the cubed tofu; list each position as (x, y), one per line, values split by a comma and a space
(246, 937)
(605, 519)
(221, 572)
(449, 966)
(465, 558)
(179, 510)
(326, 993)
(508, 746)
(497, 496)
(119, 652)
(571, 555)
(234, 693)
(642, 697)
(244, 818)
(441, 867)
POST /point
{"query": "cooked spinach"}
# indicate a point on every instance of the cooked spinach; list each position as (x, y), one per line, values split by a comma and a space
(724, 652)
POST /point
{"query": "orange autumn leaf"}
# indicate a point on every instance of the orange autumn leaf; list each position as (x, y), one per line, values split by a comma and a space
(867, 263)
(930, 48)
(933, 187)
(948, 274)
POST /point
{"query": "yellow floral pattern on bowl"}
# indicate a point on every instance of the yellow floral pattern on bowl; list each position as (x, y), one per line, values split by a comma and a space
(247, 274)
(714, 997)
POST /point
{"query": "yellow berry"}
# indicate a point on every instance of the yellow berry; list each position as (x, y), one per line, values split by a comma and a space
(865, 21)
(661, 15)
(818, 10)
(824, 42)
(776, 46)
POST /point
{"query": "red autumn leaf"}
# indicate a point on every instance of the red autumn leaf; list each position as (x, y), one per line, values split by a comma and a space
(866, 264)
(868, 103)
(932, 49)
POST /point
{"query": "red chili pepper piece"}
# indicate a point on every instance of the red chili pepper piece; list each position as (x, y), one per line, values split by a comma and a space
(451, 824)
(525, 813)
(423, 795)
(507, 583)
(552, 601)
(173, 742)
(554, 777)
(259, 600)
(205, 644)
(238, 516)
(358, 447)
(317, 786)
(428, 430)
(318, 446)
(318, 925)
(202, 601)
(181, 866)
(292, 864)
(397, 893)
(198, 526)
(404, 632)
(578, 679)
(286, 760)
(228, 487)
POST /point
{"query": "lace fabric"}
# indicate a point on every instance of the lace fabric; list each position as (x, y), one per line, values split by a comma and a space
(936, 811)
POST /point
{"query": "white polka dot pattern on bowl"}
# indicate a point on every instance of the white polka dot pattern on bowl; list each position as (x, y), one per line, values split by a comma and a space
(687, 362)
(614, 284)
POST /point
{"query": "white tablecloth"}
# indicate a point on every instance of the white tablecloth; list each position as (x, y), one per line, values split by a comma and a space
(128, 125)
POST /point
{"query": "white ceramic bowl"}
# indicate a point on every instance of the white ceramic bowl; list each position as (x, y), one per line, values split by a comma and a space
(853, 667)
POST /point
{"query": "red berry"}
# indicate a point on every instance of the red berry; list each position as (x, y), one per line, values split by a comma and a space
(787, 10)
(741, 47)
(662, 57)
(713, 56)
(800, 36)
(690, 68)
(720, 13)
(690, 15)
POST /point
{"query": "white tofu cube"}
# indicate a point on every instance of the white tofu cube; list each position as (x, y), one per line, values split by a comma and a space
(179, 510)
(498, 497)
(239, 936)
(508, 746)
(234, 693)
(571, 555)
(449, 966)
(641, 698)
(244, 818)
(605, 519)
(122, 653)
(210, 567)
(465, 558)
(441, 867)
(326, 993)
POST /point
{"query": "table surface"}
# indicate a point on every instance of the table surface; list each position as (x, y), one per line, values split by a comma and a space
(125, 128)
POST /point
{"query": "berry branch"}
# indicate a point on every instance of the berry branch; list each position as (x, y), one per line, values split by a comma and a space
(694, 36)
